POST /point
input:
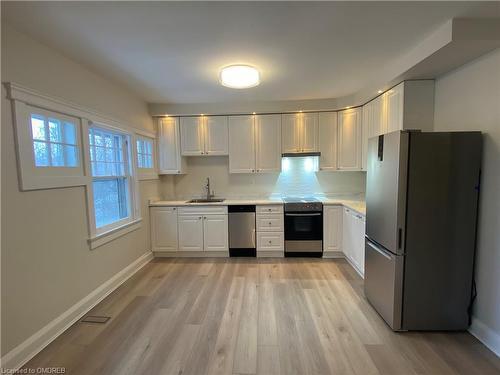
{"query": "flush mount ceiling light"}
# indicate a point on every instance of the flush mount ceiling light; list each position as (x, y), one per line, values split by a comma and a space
(239, 76)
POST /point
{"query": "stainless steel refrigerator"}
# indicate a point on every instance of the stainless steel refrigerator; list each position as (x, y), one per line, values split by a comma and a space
(421, 216)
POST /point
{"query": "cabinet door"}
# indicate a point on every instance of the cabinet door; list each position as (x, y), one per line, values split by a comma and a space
(309, 132)
(378, 123)
(268, 143)
(169, 154)
(192, 136)
(395, 102)
(216, 135)
(290, 129)
(349, 151)
(359, 242)
(365, 133)
(328, 141)
(242, 145)
(164, 229)
(347, 234)
(190, 232)
(332, 228)
(215, 233)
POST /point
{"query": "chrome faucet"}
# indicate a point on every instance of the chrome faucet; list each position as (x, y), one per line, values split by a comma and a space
(210, 194)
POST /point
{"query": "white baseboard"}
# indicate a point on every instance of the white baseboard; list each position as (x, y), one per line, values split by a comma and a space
(270, 254)
(21, 354)
(333, 254)
(191, 254)
(486, 335)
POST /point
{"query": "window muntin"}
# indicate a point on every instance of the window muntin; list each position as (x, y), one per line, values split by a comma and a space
(55, 143)
(144, 149)
(109, 162)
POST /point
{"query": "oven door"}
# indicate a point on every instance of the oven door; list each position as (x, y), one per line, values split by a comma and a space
(303, 226)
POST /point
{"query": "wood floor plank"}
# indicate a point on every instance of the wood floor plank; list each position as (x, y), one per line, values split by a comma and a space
(253, 316)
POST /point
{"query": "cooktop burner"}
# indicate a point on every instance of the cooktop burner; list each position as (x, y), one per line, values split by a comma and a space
(300, 200)
(306, 204)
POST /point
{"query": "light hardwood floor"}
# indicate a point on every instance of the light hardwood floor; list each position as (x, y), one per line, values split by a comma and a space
(253, 316)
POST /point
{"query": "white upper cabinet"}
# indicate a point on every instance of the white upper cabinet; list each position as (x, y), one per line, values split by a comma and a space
(242, 144)
(204, 135)
(328, 130)
(365, 134)
(309, 141)
(299, 132)
(267, 143)
(216, 135)
(349, 139)
(395, 101)
(170, 160)
(192, 142)
(290, 129)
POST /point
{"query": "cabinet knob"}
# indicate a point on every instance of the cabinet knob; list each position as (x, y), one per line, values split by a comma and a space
(199, 217)
(175, 208)
(205, 217)
(269, 223)
(270, 241)
(253, 170)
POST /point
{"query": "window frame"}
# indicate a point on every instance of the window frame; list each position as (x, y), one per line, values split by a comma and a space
(106, 233)
(32, 177)
(146, 173)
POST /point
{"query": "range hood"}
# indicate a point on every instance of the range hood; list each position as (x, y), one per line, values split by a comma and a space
(299, 154)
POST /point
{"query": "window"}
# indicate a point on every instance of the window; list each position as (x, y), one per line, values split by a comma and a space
(144, 153)
(54, 142)
(48, 146)
(111, 178)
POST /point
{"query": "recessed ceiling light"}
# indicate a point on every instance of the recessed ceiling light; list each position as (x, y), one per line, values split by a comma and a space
(239, 76)
(380, 91)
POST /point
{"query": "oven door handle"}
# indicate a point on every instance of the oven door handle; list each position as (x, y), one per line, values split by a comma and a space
(314, 214)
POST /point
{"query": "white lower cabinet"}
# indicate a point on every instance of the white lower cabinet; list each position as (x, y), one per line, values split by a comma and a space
(270, 231)
(190, 233)
(189, 229)
(332, 230)
(353, 239)
(164, 229)
(215, 233)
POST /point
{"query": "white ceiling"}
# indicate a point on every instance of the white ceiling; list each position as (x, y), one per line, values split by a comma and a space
(172, 52)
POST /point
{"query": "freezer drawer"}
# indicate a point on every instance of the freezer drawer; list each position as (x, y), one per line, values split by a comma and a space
(384, 283)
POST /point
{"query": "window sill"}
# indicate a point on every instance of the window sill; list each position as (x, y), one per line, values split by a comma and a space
(113, 234)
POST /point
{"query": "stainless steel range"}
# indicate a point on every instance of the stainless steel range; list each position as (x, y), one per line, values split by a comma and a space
(303, 227)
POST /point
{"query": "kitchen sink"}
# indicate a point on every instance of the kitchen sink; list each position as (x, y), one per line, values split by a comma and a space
(211, 200)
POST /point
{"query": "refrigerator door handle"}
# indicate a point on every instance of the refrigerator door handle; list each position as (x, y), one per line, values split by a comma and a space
(379, 250)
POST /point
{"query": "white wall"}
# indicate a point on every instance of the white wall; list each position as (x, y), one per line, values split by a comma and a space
(237, 185)
(47, 265)
(468, 98)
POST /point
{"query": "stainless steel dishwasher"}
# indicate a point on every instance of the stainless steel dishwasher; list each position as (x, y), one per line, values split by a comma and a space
(242, 231)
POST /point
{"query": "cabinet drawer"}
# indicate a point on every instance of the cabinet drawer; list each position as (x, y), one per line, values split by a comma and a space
(270, 241)
(203, 210)
(270, 223)
(270, 209)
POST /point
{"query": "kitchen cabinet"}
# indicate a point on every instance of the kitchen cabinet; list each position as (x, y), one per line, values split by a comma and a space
(353, 238)
(203, 228)
(164, 229)
(267, 143)
(349, 139)
(270, 231)
(300, 132)
(190, 232)
(242, 144)
(365, 134)
(255, 144)
(328, 130)
(332, 230)
(204, 135)
(170, 160)
(394, 99)
(215, 233)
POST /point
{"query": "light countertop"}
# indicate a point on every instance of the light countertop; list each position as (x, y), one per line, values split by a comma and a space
(355, 203)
